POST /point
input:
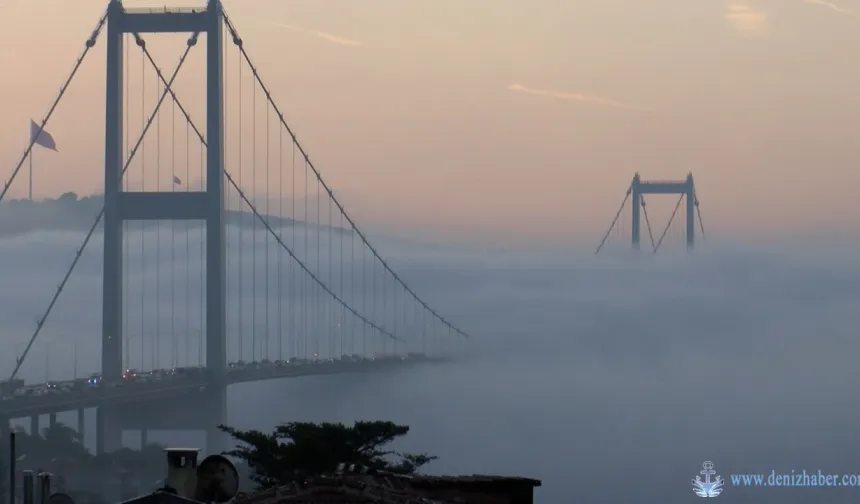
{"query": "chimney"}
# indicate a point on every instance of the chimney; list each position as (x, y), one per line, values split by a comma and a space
(44, 487)
(28, 487)
(182, 471)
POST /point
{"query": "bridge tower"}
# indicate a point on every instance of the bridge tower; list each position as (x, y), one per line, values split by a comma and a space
(684, 188)
(205, 205)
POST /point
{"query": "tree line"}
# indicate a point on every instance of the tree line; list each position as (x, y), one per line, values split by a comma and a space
(292, 451)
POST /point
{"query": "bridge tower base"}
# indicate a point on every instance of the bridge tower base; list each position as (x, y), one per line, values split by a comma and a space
(216, 404)
(82, 424)
(108, 430)
(196, 410)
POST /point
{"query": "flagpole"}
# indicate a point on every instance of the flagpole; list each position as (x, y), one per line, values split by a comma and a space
(31, 174)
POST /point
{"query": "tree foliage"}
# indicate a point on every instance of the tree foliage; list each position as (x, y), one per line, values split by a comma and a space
(299, 449)
(61, 443)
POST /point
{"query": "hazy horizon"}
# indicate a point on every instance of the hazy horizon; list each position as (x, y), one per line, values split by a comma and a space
(524, 120)
(578, 367)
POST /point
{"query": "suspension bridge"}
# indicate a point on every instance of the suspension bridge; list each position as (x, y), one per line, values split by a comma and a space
(685, 189)
(195, 214)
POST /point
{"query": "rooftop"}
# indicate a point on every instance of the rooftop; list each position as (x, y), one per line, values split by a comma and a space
(360, 485)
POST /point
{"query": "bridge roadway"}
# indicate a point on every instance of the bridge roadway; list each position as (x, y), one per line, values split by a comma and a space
(178, 386)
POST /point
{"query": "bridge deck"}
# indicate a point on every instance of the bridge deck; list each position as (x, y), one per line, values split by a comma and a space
(177, 386)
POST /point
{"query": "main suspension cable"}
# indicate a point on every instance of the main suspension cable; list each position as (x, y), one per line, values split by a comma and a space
(614, 220)
(647, 221)
(90, 43)
(238, 41)
(268, 227)
(699, 214)
(301, 264)
(668, 224)
(89, 235)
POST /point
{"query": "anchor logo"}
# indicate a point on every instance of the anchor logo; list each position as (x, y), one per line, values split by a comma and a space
(708, 487)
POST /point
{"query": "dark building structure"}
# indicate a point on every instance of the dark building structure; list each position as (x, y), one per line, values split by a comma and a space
(216, 480)
(359, 485)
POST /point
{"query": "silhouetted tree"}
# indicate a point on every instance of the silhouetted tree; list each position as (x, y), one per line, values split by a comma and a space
(61, 442)
(68, 198)
(60, 439)
(150, 458)
(299, 449)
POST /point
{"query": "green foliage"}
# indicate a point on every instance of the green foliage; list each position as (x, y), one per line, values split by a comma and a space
(298, 449)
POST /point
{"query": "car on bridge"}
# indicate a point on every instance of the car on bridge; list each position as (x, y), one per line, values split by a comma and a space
(94, 380)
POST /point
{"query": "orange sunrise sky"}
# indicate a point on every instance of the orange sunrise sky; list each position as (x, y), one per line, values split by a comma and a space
(495, 117)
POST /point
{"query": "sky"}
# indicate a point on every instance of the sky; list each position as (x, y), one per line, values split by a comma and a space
(497, 119)
(528, 119)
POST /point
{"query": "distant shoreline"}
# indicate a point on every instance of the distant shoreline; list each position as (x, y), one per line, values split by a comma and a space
(72, 213)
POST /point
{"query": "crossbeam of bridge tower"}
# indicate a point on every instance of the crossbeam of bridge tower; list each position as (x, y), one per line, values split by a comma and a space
(685, 187)
(206, 205)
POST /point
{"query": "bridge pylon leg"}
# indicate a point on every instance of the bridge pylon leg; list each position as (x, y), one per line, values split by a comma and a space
(112, 280)
(108, 430)
(82, 424)
(690, 225)
(216, 414)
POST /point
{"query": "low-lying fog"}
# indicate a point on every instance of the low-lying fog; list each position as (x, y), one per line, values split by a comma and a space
(610, 378)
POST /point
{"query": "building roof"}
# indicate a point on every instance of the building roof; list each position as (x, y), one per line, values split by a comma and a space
(363, 486)
(159, 497)
(476, 479)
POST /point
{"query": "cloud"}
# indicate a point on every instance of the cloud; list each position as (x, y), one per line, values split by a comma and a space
(745, 18)
(572, 96)
(321, 34)
(832, 6)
